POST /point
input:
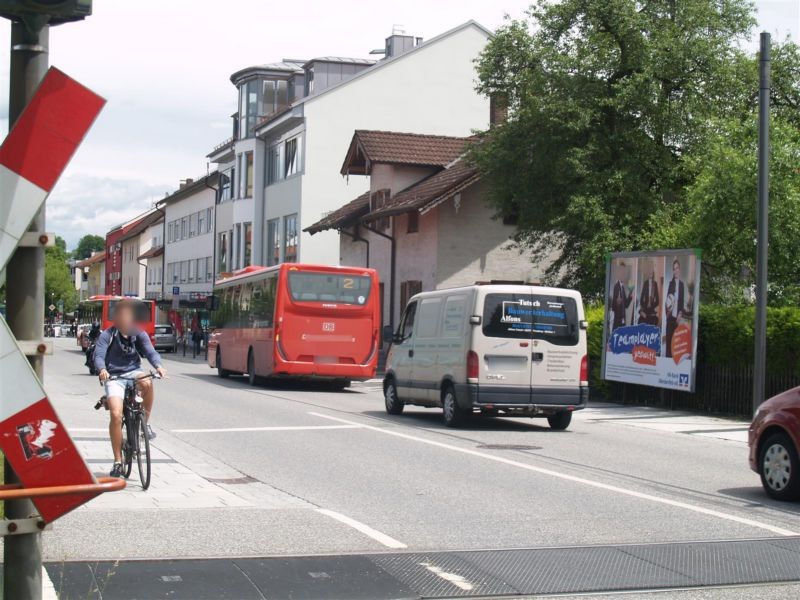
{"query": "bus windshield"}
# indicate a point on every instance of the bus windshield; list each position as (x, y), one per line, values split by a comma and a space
(305, 286)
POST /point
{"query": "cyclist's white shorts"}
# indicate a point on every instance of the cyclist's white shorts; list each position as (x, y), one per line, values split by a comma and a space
(116, 388)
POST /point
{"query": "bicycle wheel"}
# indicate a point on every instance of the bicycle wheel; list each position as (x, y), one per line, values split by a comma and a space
(143, 455)
(128, 446)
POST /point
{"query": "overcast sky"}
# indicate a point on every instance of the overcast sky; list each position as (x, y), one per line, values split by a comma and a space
(164, 67)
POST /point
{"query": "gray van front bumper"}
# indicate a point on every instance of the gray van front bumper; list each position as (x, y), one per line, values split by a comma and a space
(533, 399)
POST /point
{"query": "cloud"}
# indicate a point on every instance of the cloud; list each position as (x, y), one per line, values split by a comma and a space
(82, 204)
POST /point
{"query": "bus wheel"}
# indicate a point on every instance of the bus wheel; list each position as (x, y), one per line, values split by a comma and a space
(220, 371)
(252, 378)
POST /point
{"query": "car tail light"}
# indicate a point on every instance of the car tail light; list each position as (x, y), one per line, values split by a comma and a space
(473, 368)
(585, 368)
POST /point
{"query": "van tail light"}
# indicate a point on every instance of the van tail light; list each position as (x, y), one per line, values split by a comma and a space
(585, 369)
(473, 368)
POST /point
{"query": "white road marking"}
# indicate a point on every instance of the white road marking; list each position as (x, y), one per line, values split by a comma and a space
(376, 535)
(457, 580)
(286, 428)
(573, 478)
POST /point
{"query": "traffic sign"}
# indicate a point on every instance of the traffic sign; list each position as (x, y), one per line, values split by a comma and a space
(52, 307)
(176, 290)
(32, 157)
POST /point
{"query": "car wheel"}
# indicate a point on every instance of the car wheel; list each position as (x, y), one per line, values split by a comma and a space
(394, 406)
(222, 373)
(780, 472)
(560, 421)
(252, 378)
(454, 415)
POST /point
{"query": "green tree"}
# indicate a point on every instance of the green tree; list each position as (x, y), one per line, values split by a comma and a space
(59, 283)
(88, 244)
(606, 99)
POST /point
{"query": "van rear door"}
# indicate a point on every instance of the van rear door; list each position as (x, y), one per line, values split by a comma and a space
(557, 349)
(504, 349)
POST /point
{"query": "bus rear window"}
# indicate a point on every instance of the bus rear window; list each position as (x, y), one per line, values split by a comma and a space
(531, 316)
(328, 287)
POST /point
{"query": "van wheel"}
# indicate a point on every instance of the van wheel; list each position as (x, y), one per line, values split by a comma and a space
(560, 421)
(222, 373)
(252, 378)
(779, 468)
(394, 406)
(454, 415)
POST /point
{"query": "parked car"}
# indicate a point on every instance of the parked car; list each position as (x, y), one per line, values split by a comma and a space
(165, 339)
(774, 439)
(511, 349)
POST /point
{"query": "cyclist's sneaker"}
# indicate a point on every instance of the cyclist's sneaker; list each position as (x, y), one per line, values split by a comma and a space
(116, 470)
(150, 433)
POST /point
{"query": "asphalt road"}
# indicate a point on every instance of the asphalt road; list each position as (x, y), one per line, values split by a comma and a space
(298, 470)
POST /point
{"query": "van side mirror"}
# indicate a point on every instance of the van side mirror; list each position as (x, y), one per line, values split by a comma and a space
(388, 334)
(475, 320)
(584, 324)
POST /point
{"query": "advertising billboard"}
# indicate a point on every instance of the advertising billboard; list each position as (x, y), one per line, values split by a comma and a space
(650, 324)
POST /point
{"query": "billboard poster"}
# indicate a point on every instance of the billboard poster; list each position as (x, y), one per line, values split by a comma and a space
(650, 324)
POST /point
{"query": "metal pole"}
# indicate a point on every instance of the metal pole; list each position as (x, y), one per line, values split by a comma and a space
(760, 359)
(25, 304)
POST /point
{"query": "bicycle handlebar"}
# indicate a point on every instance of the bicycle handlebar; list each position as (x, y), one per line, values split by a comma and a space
(151, 375)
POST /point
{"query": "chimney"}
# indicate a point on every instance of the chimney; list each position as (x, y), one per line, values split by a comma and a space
(185, 182)
(498, 109)
(399, 43)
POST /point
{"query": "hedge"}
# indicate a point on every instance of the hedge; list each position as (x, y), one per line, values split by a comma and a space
(725, 337)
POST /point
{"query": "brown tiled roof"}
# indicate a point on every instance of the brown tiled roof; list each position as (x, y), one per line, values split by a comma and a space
(342, 217)
(430, 191)
(368, 146)
(142, 224)
(153, 252)
(92, 260)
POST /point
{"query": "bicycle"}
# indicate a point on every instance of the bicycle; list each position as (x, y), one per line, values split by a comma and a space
(135, 441)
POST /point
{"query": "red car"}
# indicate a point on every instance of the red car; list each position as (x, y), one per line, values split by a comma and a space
(774, 439)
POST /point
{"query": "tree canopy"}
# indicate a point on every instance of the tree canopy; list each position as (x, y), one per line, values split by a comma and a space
(88, 244)
(610, 103)
(58, 279)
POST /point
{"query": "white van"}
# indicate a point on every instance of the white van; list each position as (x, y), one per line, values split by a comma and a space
(514, 349)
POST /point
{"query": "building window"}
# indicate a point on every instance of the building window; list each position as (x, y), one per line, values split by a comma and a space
(226, 185)
(377, 200)
(184, 271)
(209, 273)
(222, 252)
(184, 228)
(209, 219)
(169, 232)
(248, 244)
(237, 245)
(193, 225)
(275, 163)
(292, 156)
(413, 222)
(409, 289)
(290, 238)
(273, 242)
(192, 270)
(201, 222)
(246, 175)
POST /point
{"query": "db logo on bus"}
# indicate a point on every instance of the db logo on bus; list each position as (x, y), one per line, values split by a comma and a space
(329, 326)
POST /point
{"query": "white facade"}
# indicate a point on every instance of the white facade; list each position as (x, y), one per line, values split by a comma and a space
(135, 243)
(188, 259)
(428, 89)
(154, 274)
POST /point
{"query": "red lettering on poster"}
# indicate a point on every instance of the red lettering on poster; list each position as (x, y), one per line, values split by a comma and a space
(644, 355)
(681, 343)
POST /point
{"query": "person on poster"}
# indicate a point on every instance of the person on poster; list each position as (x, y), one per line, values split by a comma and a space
(674, 305)
(620, 299)
(648, 301)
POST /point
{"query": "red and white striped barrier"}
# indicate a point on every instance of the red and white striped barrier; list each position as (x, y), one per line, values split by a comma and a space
(32, 158)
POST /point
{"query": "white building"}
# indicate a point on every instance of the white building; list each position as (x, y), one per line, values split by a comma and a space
(153, 259)
(188, 257)
(135, 242)
(281, 168)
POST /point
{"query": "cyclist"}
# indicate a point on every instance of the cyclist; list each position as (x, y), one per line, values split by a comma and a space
(118, 353)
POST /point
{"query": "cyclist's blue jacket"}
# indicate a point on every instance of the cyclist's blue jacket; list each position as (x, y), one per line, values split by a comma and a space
(119, 354)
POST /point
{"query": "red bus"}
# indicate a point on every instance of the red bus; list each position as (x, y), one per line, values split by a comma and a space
(296, 320)
(101, 309)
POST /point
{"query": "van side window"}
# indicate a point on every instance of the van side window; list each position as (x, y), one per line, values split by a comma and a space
(407, 327)
(429, 317)
(454, 316)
